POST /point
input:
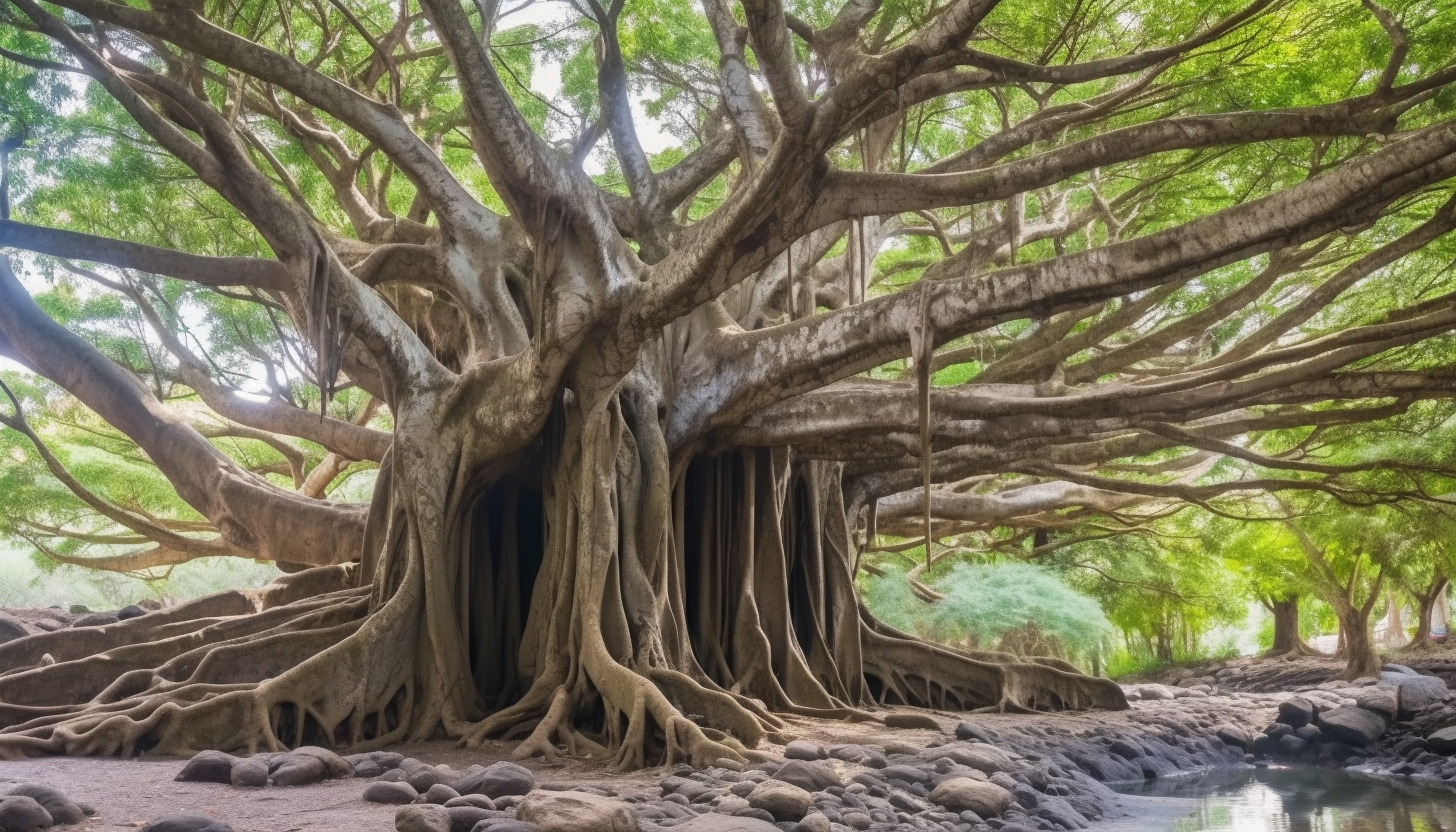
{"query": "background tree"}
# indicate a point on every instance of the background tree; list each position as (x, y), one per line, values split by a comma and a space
(913, 269)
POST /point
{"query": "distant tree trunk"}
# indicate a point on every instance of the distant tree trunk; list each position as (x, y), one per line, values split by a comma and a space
(1426, 604)
(1360, 656)
(1394, 623)
(1165, 645)
(1287, 641)
(1441, 615)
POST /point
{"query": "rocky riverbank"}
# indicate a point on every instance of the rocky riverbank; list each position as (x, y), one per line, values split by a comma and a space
(1399, 725)
(995, 773)
(921, 771)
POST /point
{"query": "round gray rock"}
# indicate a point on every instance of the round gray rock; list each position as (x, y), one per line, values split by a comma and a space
(784, 801)
(497, 780)
(186, 823)
(62, 811)
(391, 794)
(962, 794)
(208, 767)
(23, 814)
(804, 750)
(441, 794)
(249, 774)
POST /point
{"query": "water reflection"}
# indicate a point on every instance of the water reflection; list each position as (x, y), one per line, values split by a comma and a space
(1305, 800)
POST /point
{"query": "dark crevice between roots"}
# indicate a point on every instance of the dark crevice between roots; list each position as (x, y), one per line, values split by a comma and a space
(506, 549)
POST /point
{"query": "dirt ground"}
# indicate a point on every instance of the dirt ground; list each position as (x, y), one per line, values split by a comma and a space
(130, 793)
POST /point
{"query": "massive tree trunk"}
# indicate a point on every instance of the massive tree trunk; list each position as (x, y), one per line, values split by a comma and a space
(592, 589)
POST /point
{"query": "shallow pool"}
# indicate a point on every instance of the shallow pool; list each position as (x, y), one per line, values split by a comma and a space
(1303, 800)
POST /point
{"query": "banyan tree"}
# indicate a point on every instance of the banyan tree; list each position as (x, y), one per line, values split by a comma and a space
(642, 367)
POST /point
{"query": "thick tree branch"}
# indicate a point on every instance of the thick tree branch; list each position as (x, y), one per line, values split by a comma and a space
(205, 271)
(251, 515)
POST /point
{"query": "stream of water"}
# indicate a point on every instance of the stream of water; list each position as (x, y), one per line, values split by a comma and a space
(1303, 800)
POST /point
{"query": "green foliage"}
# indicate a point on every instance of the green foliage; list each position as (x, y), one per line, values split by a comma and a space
(984, 604)
(1164, 590)
(23, 584)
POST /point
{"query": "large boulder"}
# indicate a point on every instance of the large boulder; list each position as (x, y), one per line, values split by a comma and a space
(784, 801)
(1296, 712)
(1442, 741)
(497, 780)
(1353, 725)
(23, 814)
(63, 812)
(1233, 735)
(11, 629)
(577, 812)
(962, 794)
(1382, 700)
(208, 767)
(980, 756)
(811, 777)
(1416, 692)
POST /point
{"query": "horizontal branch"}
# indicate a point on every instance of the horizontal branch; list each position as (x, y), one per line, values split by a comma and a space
(752, 370)
(193, 268)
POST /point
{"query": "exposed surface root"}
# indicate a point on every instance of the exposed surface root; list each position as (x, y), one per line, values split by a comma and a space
(906, 671)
